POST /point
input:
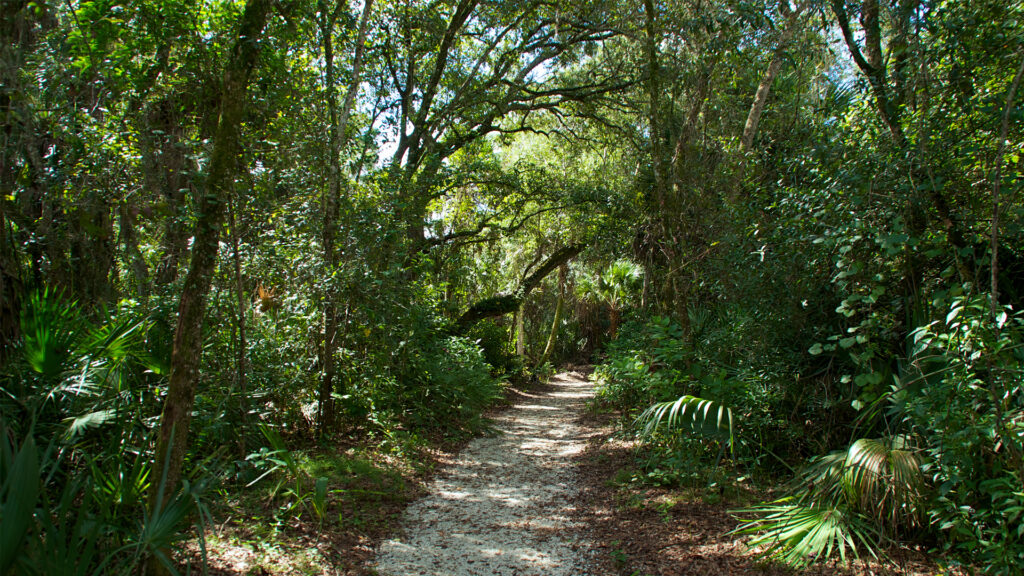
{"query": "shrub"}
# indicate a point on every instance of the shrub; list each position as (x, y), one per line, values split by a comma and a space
(498, 350)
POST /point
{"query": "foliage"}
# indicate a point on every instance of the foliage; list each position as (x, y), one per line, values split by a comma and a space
(690, 412)
(497, 348)
(452, 385)
(827, 242)
(74, 455)
(964, 403)
(799, 535)
(863, 496)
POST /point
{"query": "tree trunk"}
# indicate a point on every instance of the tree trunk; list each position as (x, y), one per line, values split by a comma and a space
(760, 99)
(10, 291)
(559, 305)
(654, 106)
(92, 251)
(872, 63)
(997, 177)
(172, 439)
(241, 370)
(130, 241)
(521, 330)
(997, 391)
(765, 87)
(165, 158)
(332, 200)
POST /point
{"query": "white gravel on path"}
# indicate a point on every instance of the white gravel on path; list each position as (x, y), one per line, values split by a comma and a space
(504, 507)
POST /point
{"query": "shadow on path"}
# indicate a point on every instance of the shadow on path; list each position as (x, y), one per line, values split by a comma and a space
(504, 507)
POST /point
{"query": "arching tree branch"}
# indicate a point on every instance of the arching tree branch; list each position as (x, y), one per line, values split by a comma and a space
(508, 303)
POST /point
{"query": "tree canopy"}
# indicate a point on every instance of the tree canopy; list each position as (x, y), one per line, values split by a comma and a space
(227, 223)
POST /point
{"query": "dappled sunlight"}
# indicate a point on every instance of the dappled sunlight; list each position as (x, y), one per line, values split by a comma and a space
(534, 407)
(504, 507)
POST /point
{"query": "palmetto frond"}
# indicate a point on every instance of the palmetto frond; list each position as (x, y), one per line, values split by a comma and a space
(799, 534)
(850, 498)
(880, 479)
(698, 415)
(617, 280)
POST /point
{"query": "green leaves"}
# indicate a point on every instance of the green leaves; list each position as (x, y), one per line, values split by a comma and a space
(79, 425)
(697, 415)
(799, 535)
(19, 494)
(858, 497)
(882, 480)
(49, 327)
(320, 498)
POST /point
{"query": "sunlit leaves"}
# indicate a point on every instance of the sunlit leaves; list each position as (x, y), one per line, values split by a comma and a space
(699, 416)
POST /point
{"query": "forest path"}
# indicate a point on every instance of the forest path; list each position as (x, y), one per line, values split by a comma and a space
(505, 507)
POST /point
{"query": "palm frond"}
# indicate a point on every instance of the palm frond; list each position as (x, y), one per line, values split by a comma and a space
(884, 480)
(78, 425)
(698, 415)
(849, 498)
(49, 327)
(799, 534)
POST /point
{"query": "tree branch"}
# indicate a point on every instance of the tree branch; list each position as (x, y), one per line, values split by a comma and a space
(508, 303)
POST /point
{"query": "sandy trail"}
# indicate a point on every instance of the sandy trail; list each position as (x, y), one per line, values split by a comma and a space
(504, 507)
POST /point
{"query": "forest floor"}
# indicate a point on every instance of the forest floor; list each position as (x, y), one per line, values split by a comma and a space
(644, 530)
(549, 492)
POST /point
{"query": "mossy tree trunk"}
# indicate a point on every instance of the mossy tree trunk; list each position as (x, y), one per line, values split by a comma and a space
(172, 439)
(509, 303)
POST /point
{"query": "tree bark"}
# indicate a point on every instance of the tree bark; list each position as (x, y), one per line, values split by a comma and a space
(765, 87)
(654, 106)
(130, 240)
(332, 201)
(521, 329)
(172, 439)
(613, 321)
(92, 248)
(997, 177)
(241, 369)
(997, 391)
(559, 305)
(871, 63)
(165, 170)
(508, 303)
(10, 290)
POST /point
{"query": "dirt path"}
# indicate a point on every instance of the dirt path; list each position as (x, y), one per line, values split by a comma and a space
(504, 508)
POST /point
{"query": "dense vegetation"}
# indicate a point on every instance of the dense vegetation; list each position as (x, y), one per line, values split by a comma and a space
(790, 236)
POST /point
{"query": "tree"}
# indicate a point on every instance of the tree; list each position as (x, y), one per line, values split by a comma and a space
(559, 306)
(508, 303)
(172, 441)
(890, 92)
(337, 136)
(475, 70)
(614, 286)
(792, 20)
